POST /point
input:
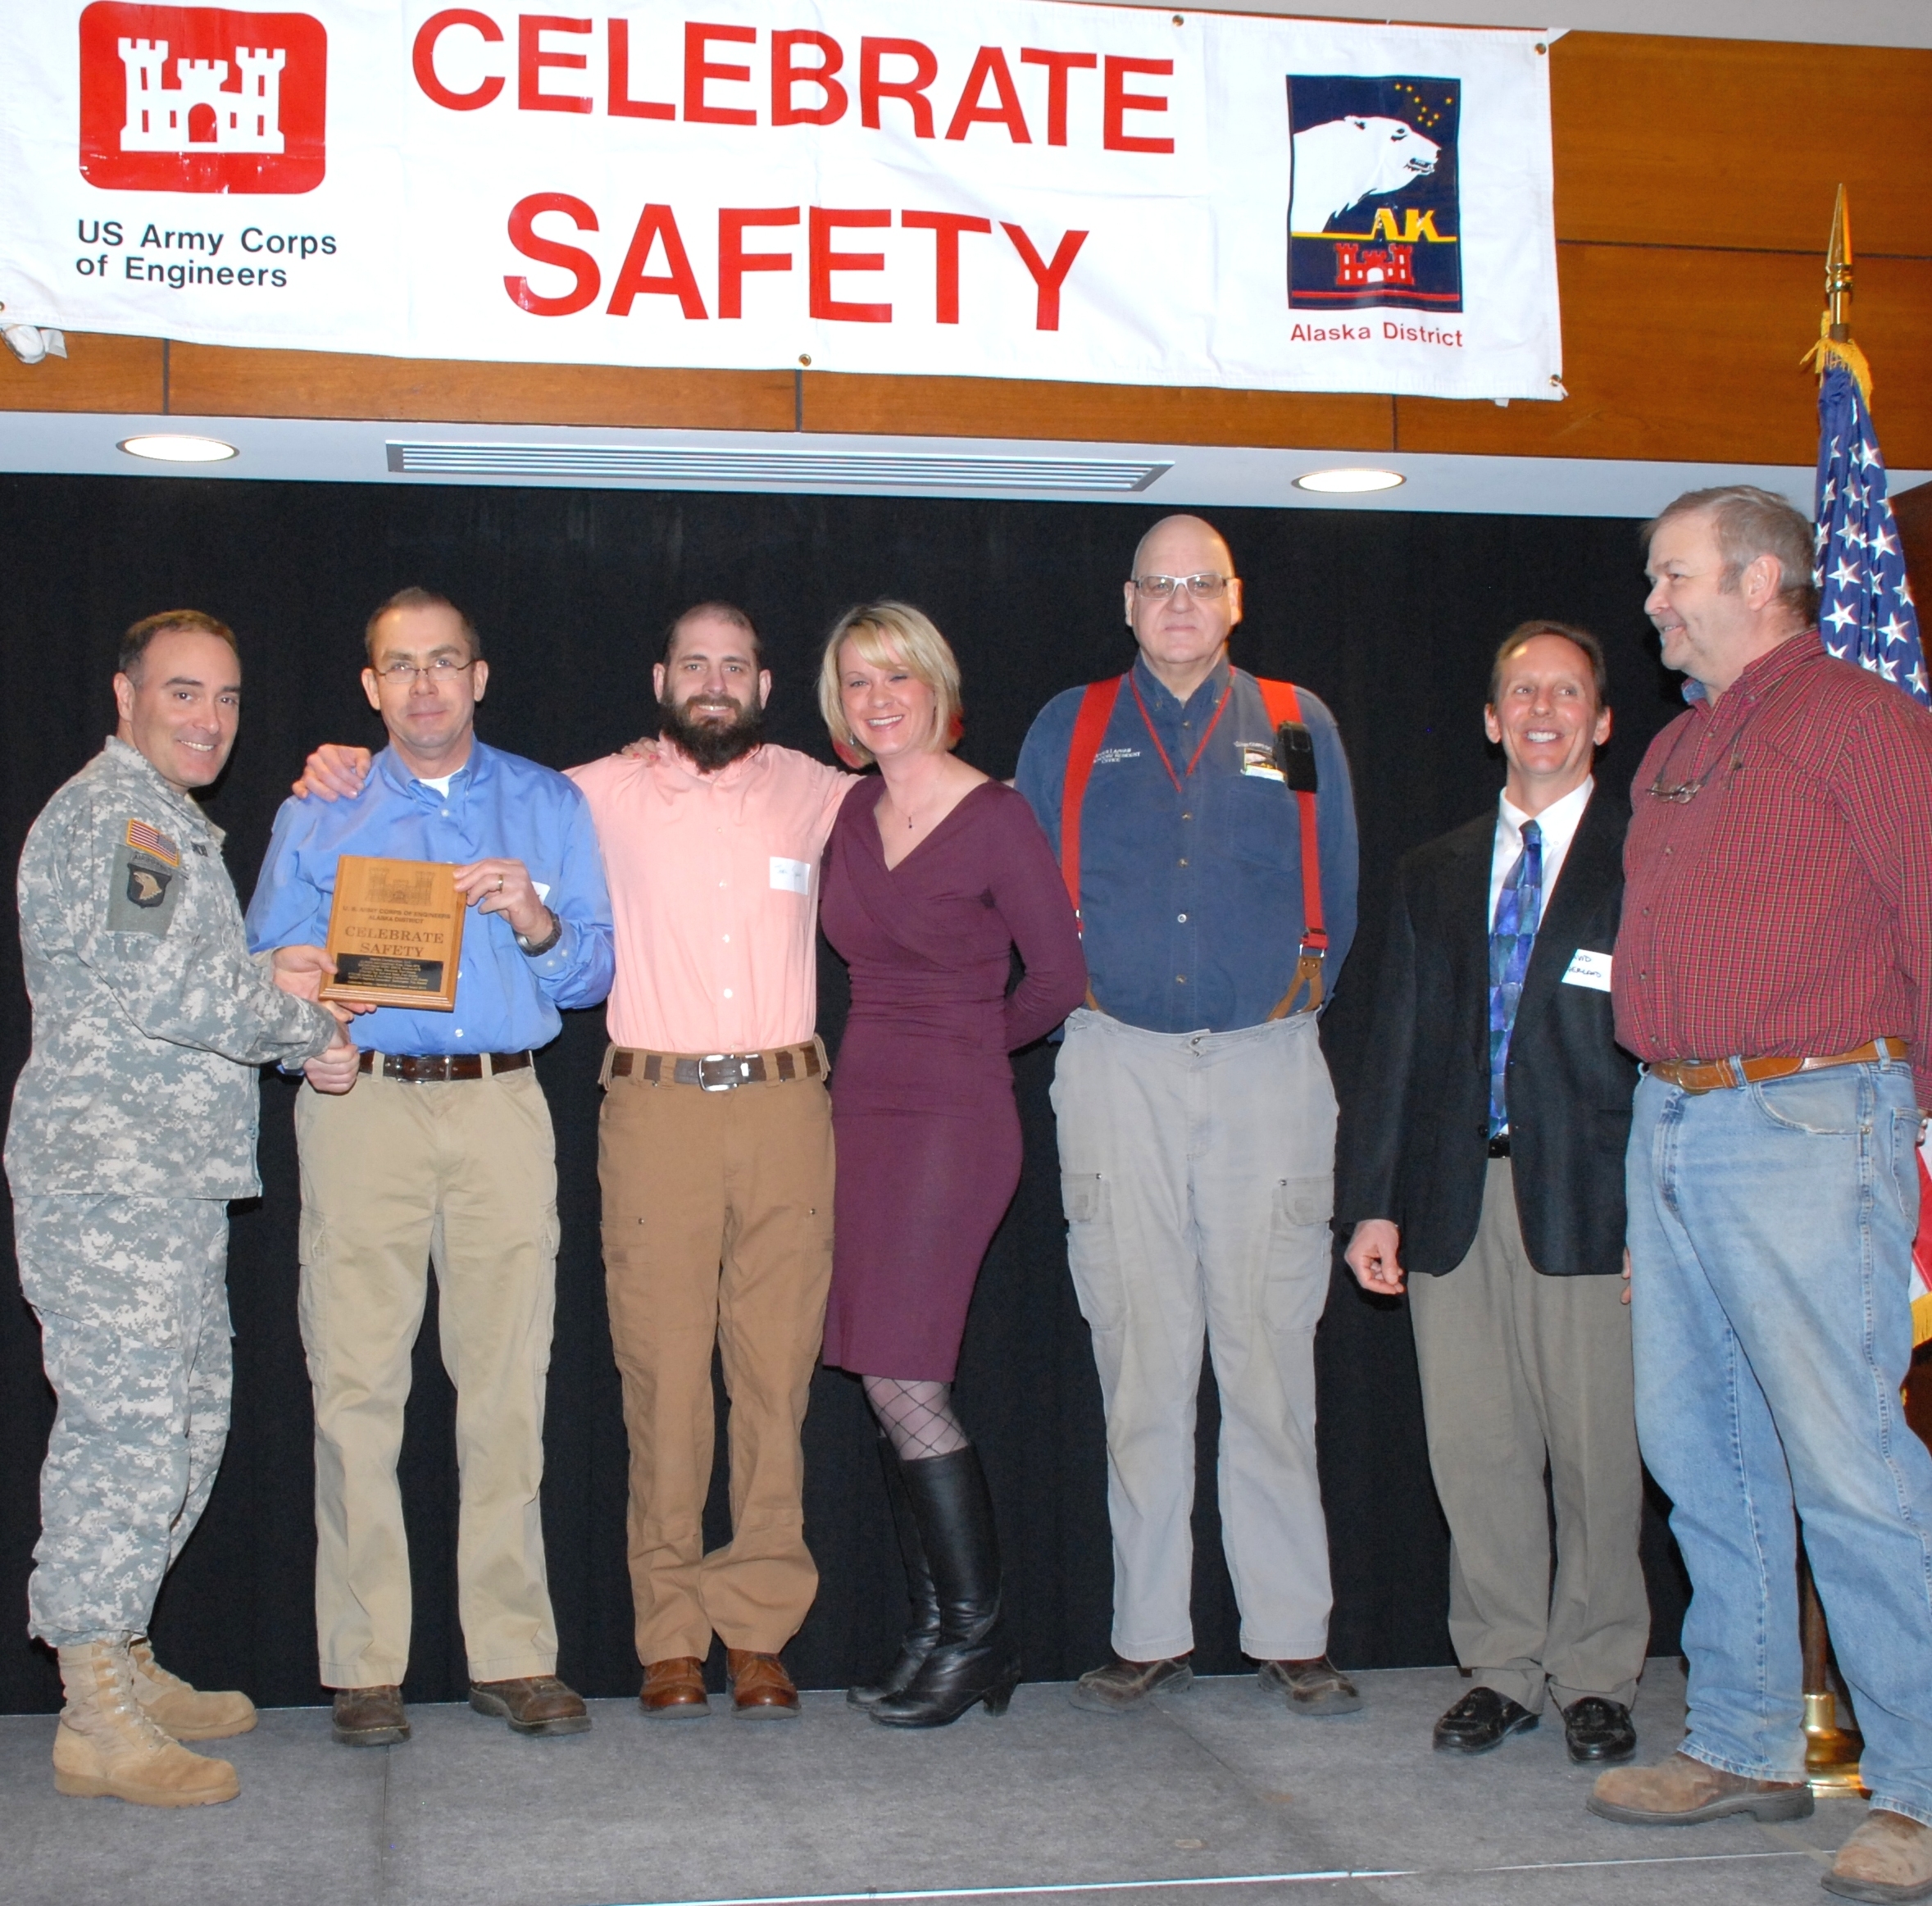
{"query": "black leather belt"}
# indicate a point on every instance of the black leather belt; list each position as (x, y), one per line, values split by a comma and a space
(436, 1068)
(718, 1071)
(1499, 1146)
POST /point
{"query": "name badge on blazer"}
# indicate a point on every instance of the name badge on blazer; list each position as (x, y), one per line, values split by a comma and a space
(1589, 969)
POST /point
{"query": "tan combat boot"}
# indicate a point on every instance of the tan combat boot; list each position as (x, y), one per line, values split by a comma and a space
(107, 1745)
(176, 1709)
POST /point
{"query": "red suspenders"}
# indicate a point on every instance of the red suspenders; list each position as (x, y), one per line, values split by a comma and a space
(1089, 730)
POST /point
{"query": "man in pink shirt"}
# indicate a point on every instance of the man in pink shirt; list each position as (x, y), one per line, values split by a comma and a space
(714, 1155)
(715, 1152)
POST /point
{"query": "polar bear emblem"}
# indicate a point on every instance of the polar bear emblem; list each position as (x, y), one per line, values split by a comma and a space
(1345, 160)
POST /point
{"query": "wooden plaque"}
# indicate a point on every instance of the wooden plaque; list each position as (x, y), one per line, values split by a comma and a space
(395, 932)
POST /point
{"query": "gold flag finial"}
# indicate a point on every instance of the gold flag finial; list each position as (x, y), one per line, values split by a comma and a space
(1838, 271)
(1834, 345)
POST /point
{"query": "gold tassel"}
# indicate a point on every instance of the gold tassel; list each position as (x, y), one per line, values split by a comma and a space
(1830, 351)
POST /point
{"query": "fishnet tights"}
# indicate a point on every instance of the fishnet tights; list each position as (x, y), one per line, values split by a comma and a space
(917, 1417)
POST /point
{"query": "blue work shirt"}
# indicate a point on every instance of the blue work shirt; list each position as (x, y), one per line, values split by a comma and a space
(499, 807)
(1191, 897)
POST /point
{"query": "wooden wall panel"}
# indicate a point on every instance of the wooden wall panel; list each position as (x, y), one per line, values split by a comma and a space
(1695, 356)
(1694, 181)
(206, 381)
(98, 374)
(986, 407)
(1659, 140)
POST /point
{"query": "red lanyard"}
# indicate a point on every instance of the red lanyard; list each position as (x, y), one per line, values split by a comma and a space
(1154, 738)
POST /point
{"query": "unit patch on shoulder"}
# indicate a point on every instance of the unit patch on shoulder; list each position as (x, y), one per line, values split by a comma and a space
(153, 841)
(145, 883)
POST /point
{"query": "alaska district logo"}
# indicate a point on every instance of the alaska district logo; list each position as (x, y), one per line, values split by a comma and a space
(1372, 213)
(200, 99)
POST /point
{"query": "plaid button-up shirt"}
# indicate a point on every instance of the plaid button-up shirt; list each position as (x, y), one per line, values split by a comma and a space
(1785, 909)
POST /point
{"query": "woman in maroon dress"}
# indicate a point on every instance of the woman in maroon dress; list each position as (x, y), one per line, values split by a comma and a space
(933, 874)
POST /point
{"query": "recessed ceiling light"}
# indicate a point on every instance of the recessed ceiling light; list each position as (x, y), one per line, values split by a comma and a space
(164, 449)
(1349, 482)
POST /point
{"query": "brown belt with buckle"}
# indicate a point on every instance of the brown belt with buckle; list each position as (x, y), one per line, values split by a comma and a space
(1721, 1075)
(436, 1068)
(718, 1071)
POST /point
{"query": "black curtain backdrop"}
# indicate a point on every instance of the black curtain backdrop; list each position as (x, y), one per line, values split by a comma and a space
(1392, 618)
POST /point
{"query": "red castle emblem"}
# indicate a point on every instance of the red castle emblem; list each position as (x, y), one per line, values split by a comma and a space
(1357, 268)
(202, 99)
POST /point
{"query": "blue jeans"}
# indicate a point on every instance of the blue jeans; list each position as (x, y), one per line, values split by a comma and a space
(1770, 1244)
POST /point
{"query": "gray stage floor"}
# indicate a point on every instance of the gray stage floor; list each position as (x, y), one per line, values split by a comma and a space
(1221, 1796)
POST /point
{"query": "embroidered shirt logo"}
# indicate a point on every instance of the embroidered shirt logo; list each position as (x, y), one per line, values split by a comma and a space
(1107, 756)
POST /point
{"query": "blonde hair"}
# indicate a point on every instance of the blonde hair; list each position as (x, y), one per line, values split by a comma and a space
(889, 632)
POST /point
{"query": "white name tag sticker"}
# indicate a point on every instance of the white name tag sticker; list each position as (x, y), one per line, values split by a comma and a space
(791, 877)
(1589, 969)
(543, 888)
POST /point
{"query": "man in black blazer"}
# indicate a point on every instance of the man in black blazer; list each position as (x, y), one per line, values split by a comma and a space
(1483, 1152)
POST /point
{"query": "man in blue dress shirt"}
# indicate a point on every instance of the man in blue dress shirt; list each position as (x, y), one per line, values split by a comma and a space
(1196, 1123)
(442, 1154)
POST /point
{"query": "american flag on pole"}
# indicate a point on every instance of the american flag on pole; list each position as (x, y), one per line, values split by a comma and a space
(1865, 614)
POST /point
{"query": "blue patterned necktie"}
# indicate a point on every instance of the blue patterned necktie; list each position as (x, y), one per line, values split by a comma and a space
(1518, 909)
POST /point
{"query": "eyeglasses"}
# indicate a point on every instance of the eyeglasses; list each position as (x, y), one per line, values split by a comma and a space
(1202, 587)
(403, 673)
(1687, 790)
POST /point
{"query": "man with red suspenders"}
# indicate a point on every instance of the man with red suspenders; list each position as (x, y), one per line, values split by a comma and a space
(1206, 828)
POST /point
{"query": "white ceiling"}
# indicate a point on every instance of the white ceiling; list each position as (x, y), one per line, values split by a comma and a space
(1876, 23)
(307, 451)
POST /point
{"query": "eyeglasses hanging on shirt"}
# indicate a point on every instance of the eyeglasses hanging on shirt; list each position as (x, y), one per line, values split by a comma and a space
(1685, 791)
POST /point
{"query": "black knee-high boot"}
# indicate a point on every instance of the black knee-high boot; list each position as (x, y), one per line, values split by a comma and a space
(974, 1658)
(924, 1630)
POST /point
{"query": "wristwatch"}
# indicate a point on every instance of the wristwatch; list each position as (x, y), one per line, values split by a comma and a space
(534, 947)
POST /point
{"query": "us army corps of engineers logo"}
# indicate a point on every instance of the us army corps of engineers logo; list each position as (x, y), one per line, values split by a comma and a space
(1373, 216)
(202, 99)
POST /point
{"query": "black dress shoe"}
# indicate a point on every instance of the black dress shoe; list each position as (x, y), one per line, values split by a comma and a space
(1598, 1732)
(1481, 1720)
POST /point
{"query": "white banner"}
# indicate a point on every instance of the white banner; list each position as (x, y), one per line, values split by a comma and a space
(988, 187)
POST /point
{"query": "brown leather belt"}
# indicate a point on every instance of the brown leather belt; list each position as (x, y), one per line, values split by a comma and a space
(718, 1071)
(1721, 1075)
(437, 1068)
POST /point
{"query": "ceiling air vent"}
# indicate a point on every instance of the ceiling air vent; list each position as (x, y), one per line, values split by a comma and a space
(803, 470)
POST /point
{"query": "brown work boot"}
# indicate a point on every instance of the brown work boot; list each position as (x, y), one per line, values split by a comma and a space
(1889, 1858)
(761, 1689)
(372, 1717)
(178, 1709)
(1680, 1792)
(673, 1688)
(107, 1745)
(1316, 1686)
(1122, 1687)
(537, 1703)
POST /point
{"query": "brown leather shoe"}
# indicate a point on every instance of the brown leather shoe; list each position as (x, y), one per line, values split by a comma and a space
(369, 1717)
(1680, 1792)
(1120, 1687)
(1316, 1686)
(673, 1688)
(1889, 1858)
(761, 1689)
(536, 1703)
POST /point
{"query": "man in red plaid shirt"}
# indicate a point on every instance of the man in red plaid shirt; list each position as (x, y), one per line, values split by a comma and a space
(1774, 972)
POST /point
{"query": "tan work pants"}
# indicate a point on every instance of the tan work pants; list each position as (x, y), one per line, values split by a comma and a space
(394, 1177)
(1519, 1370)
(717, 1225)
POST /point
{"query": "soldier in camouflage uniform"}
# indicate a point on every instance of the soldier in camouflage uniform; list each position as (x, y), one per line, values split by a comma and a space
(134, 1124)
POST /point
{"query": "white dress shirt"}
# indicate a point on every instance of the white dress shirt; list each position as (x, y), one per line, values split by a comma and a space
(1559, 822)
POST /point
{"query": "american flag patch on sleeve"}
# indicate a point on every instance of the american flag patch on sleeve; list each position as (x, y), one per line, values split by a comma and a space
(152, 840)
